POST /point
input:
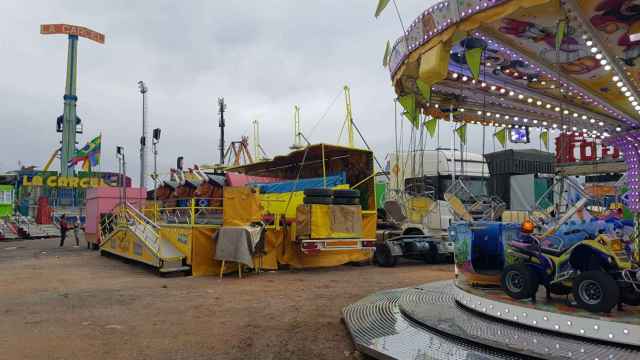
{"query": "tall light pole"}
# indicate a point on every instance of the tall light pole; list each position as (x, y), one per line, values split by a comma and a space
(154, 142)
(221, 108)
(143, 139)
(123, 174)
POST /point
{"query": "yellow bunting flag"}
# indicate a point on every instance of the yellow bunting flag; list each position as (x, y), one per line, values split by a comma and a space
(544, 138)
(408, 102)
(561, 32)
(381, 5)
(387, 51)
(462, 133)
(474, 57)
(431, 126)
(501, 136)
(425, 90)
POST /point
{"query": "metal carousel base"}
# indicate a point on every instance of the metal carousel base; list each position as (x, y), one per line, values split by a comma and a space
(433, 321)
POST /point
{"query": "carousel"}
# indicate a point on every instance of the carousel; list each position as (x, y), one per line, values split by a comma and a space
(545, 286)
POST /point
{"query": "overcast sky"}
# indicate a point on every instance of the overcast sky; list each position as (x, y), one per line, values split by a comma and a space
(262, 56)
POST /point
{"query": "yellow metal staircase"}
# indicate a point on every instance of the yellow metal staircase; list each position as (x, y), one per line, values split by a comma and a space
(128, 233)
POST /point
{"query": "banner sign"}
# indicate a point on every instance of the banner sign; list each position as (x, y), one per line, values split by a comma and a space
(48, 29)
(567, 144)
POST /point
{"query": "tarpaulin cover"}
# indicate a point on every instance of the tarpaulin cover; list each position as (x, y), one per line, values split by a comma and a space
(317, 221)
(276, 203)
(238, 243)
(302, 184)
(237, 179)
(241, 206)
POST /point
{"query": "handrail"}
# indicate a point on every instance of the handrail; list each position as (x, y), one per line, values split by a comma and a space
(141, 215)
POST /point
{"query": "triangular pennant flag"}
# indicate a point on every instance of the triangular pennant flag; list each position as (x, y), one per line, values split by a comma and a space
(387, 51)
(425, 90)
(381, 5)
(561, 32)
(431, 126)
(544, 137)
(462, 133)
(408, 102)
(501, 136)
(474, 57)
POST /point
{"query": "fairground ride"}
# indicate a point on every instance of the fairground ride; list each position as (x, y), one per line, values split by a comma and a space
(554, 68)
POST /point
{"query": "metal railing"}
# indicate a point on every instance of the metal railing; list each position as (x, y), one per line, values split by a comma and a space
(127, 216)
(195, 211)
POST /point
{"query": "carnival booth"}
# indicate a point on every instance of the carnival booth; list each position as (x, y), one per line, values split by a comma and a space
(562, 281)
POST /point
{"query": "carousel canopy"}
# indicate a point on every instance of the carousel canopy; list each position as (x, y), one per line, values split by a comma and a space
(566, 65)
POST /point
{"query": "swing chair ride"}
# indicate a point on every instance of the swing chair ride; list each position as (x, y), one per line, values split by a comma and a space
(561, 282)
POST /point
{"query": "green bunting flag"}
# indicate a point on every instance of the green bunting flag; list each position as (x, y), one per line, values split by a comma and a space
(544, 138)
(561, 32)
(431, 126)
(381, 5)
(387, 51)
(408, 102)
(462, 133)
(474, 57)
(425, 90)
(501, 136)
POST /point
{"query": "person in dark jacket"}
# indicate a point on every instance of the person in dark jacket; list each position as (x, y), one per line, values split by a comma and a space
(63, 229)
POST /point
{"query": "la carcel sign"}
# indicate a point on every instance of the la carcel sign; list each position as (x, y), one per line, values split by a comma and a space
(64, 181)
(48, 29)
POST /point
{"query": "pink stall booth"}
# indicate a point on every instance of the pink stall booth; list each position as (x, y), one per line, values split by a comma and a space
(101, 201)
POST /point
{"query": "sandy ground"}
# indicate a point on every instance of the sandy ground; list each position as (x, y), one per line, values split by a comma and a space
(71, 303)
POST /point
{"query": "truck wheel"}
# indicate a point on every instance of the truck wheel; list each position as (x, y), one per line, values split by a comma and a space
(596, 291)
(630, 296)
(383, 256)
(519, 281)
(431, 257)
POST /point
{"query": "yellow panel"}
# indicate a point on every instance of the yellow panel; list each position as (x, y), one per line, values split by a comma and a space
(434, 64)
(180, 237)
(203, 248)
(369, 223)
(241, 206)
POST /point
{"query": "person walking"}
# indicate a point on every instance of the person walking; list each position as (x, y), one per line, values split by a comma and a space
(76, 231)
(63, 229)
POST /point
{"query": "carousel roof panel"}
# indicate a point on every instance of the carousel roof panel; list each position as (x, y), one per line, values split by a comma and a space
(586, 79)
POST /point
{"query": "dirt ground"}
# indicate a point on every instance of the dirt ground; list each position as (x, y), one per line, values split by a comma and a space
(71, 303)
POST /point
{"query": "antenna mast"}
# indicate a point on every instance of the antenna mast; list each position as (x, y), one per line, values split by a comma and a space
(221, 108)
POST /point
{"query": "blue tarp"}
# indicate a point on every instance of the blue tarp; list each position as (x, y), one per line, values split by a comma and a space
(302, 184)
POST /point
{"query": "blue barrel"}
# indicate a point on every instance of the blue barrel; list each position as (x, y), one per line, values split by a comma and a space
(480, 246)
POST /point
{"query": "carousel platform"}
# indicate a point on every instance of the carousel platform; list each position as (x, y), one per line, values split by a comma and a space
(443, 321)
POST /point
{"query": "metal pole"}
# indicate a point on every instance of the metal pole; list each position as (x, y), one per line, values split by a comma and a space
(221, 108)
(143, 139)
(69, 116)
(155, 181)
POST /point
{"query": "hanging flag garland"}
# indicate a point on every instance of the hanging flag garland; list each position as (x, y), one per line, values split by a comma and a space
(544, 138)
(431, 126)
(425, 90)
(462, 133)
(387, 51)
(561, 31)
(408, 102)
(501, 136)
(474, 57)
(381, 5)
